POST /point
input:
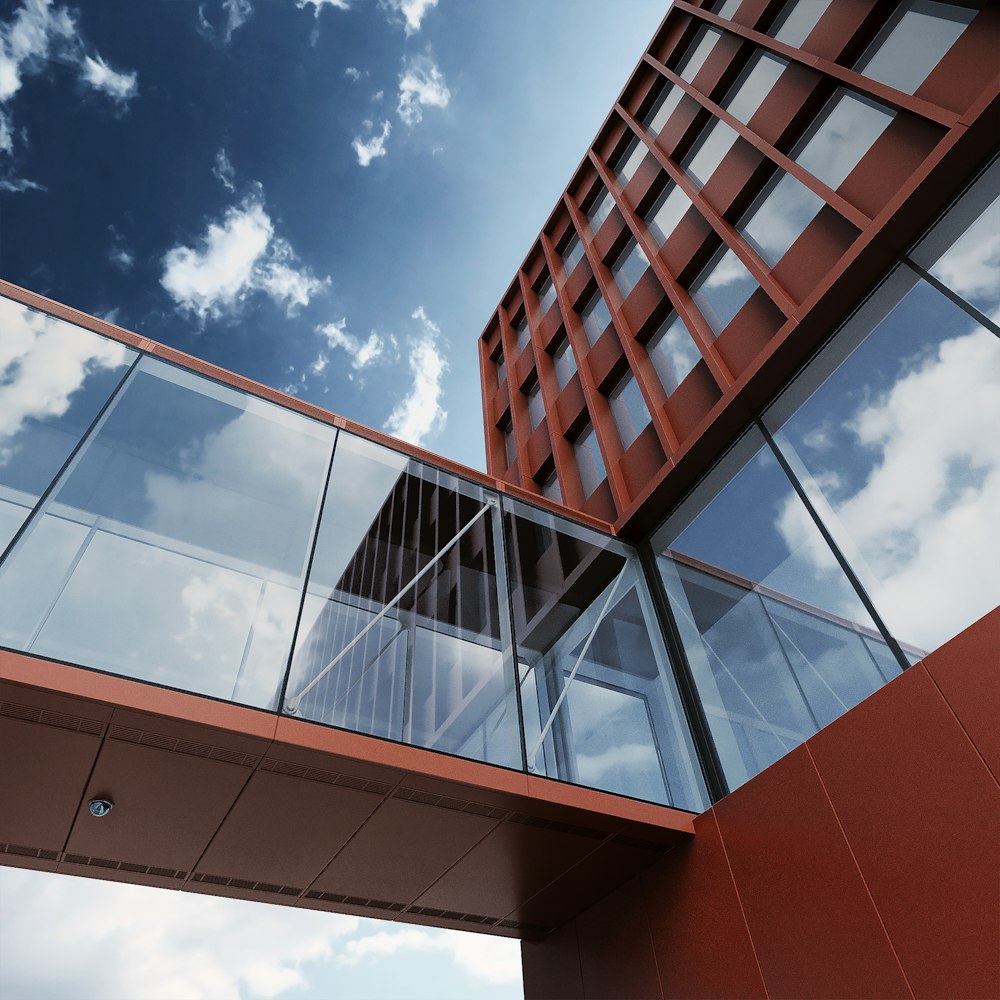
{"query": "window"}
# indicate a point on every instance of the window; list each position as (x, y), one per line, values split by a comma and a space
(510, 448)
(844, 131)
(522, 333)
(589, 461)
(722, 288)
(668, 209)
(550, 488)
(501, 367)
(536, 405)
(629, 268)
(709, 151)
(596, 318)
(662, 108)
(628, 162)
(546, 295)
(699, 50)
(913, 42)
(564, 362)
(600, 207)
(797, 20)
(572, 253)
(672, 352)
(726, 8)
(779, 216)
(629, 409)
(753, 85)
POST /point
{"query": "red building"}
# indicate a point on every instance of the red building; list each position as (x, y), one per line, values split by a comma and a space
(696, 692)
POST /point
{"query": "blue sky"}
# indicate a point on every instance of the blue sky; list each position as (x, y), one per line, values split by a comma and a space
(328, 196)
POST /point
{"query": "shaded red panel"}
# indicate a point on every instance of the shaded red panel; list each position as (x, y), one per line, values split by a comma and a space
(286, 829)
(700, 939)
(814, 928)
(922, 814)
(364, 868)
(967, 671)
(551, 968)
(616, 952)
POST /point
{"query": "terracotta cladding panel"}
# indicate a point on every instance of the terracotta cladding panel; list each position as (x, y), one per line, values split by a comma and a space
(577, 281)
(836, 31)
(549, 326)
(691, 402)
(571, 406)
(969, 65)
(644, 458)
(601, 503)
(643, 301)
(539, 449)
(921, 812)
(738, 177)
(524, 366)
(687, 248)
(610, 235)
(814, 254)
(750, 332)
(814, 928)
(551, 968)
(605, 359)
(784, 111)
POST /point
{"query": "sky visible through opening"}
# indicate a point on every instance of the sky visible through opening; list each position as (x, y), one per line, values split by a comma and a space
(330, 197)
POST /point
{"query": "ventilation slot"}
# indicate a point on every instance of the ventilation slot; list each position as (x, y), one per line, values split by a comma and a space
(328, 777)
(29, 852)
(335, 897)
(445, 802)
(247, 884)
(188, 747)
(92, 727)
(124, 866)
(516, 925)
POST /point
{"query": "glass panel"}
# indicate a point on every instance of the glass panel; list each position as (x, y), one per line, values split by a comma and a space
(754, 84)
(662, 108)
(501, 368)
(629, 410)
(550, 488)
(386, 651)
(589, 461)
(726, 8)
(522, 333)
(672, 352)
(709, 151)
(697, 53)
(666, 212)
(721, 290)
(565, 363)
(844, 131)
(797, 20)
(963, 249)
(596, 318)
(546, 295)
(600, 705)
(54, 379)
(629, 268)
(600, 208)
(913, 43)
(572, 254)
(628, 163)
(890, 430)
(536, 406)
(779, 217)
(175, 547)
(772, 627)
(508, 443)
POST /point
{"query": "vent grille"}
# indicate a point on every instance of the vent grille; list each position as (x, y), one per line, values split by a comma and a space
(249, 884)
(336, 897)
(91, 727)
(206, 750)
(555, 825)
(124, 866)
(328, 777)
(29, 852)
(446, 802)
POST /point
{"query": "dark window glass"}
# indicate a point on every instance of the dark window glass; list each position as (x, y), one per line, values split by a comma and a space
(668, 209)
(753, 85)
(565, 363)
(722, 288)
(546, 295)
(629, 409)
(797, 20)
(572, 253)
(672, 352)
(628, 162)
(629, 268)
(522, 333)
(709, 151)
(600, 208)
(779, 217)
(596, 318)
(589, 461)
(536, 406)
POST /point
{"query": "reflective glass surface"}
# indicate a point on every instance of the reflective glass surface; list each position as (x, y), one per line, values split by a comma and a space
(913, 43)
(776, 636)
(629, 409)
(662, 108)
(536, 407)
(597, 691)
(589, 461)
(667, 211)
(797, 20)
(629, 268)
(600, 208)
(174, 548)
(497, 359)
(843, 132)
(546, 295)
(709, 151)
(892, 433)
(628, 163)
(508, 442)
(754, 84)
(522, 333)
(779, 217)
(565, 363)
(672, 352)
(721, 290)
(551, 490)
(726, 8)
(595, 318)
(54, 379)
(699, 50)
(572, 253)
(404, 627)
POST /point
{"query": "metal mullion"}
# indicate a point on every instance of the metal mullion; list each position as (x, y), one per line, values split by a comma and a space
(957, 299)
(853, 578)
(848, 77)
(837, 202)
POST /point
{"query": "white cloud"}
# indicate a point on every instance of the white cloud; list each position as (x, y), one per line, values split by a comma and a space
(412, 11)
(420, 413)
(318, 5)
(373, 147)
(121, 258)
(119, 942)
(494, 960)
(17, 184)
(6, 134)
(362, 353)
(120, 87)
(236, 257)
(223, 170)
(421, 85)
(237, 12)
(352, 73)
